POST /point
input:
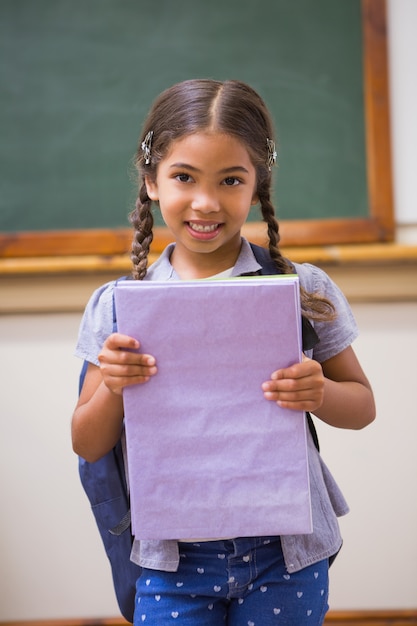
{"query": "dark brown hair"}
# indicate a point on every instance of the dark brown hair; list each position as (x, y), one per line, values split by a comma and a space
(229, 107)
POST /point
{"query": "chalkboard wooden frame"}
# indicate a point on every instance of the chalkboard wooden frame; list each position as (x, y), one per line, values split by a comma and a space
(377, 226)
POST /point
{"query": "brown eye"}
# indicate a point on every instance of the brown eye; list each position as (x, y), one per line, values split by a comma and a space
(183, 178)
(230, 181)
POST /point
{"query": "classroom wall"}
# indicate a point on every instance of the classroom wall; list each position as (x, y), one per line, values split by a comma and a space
(52, 562)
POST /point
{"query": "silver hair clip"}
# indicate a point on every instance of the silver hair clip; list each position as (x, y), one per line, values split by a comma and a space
(146, 147)
(272, 154)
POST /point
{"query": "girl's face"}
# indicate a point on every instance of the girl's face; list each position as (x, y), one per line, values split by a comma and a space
(205, 187)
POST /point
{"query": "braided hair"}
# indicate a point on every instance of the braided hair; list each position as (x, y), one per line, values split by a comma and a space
(230, 107)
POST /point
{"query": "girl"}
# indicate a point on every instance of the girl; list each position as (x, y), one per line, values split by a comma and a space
(205, 157)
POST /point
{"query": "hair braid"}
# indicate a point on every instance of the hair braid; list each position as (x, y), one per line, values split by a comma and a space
(142, 220)
(268, 215)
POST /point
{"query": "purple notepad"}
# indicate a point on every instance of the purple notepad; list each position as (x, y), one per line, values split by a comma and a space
(208, 455)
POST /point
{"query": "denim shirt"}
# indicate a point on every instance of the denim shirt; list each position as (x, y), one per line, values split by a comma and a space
(327, 501)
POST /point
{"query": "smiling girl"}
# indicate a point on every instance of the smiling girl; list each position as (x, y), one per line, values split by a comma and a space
(204, 159)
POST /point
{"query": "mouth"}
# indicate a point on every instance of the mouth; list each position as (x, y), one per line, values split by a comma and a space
(199, 227)
(204, 231)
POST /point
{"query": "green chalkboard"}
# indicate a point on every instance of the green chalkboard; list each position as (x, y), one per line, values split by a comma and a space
(78, 76)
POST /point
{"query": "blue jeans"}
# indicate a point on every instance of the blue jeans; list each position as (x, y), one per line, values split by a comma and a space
(240, 582)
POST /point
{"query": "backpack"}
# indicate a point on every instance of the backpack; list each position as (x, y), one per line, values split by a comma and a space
(105, 484)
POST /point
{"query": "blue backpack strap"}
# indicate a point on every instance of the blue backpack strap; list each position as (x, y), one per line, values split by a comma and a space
(104, 483)
(309, 335)
(263, 257)
(82, 376)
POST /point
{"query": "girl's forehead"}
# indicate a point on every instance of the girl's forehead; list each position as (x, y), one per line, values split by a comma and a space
(208, 142)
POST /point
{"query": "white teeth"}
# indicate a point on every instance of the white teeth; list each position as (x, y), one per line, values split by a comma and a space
(201, 228)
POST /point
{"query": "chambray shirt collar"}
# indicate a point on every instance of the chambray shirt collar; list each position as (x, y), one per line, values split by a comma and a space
(162, 269)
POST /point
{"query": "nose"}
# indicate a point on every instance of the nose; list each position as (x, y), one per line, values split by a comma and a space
(205, 201)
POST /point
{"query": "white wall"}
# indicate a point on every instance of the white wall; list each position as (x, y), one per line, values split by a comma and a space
(52, 562)
(402, 24)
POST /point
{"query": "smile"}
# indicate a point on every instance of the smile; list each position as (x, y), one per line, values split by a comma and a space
(203, 228)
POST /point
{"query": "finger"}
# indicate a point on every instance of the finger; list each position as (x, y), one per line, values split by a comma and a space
(287, 373)
(146, 360)
(307, 399)
(124, 357)
(302, 405)
(306, 368)
(116, 378)
(293, 395)
(297, 404)
(286, 385)
(128, 369)
(125, 381)
(117, 341)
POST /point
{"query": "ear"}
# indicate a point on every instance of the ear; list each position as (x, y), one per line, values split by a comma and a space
(151, 189)
(254, 200)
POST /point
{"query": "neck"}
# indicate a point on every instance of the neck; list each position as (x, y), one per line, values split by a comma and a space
(191, 265)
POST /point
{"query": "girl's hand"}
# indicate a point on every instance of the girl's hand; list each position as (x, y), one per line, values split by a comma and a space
(121, 365)
(299, 387)
(97, 421)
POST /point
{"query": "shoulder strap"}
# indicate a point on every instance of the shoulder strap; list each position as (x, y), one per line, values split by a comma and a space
(114, 305)
(263, 257)
(309, 335)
